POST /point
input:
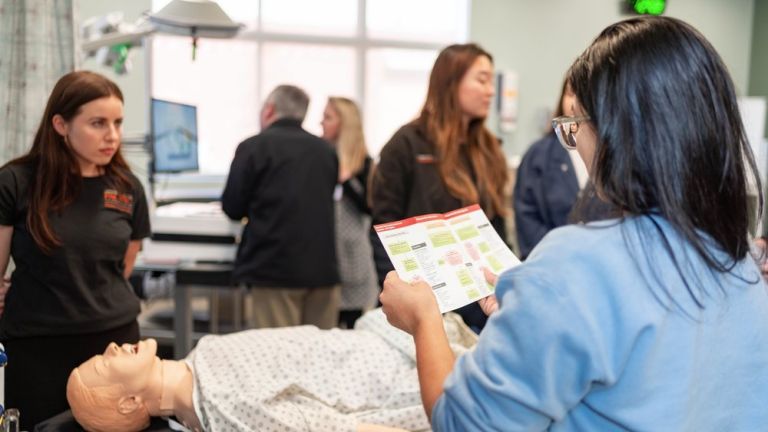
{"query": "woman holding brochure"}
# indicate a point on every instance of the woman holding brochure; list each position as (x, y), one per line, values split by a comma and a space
(653, 321)
(446, 158)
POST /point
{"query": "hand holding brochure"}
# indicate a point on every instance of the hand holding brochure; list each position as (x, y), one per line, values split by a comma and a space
(448, 251)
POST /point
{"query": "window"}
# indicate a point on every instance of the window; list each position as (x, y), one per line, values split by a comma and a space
(216, 83)
(437, 21)
(395, 86)
(300, 64)
(326, 17)
(376, 52)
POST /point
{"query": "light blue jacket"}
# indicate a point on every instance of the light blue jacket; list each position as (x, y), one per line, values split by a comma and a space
(597, 332)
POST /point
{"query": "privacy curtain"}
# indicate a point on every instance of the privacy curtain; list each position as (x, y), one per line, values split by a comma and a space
(37, 47)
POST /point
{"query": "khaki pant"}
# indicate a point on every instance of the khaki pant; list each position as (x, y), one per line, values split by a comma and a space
(285, 307)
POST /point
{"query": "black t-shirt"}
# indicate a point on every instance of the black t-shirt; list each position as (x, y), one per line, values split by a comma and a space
(79, 287)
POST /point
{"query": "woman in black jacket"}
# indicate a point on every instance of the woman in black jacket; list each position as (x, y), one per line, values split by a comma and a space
(446, 158)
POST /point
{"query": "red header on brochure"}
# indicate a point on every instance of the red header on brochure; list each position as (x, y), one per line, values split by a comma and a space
(425, 218)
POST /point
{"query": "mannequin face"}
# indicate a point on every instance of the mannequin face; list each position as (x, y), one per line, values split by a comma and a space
(133, 366)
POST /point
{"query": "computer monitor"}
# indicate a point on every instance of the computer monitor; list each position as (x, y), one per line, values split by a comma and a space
(174, 137)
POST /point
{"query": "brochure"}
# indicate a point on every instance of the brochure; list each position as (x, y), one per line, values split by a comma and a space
(448, 251)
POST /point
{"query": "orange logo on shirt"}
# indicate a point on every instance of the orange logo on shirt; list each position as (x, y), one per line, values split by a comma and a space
(425, 158)
(118, 201)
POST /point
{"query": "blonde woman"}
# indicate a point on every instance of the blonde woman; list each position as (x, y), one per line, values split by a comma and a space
(342, 127)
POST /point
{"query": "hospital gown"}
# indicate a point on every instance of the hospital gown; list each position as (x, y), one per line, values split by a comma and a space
(306, 379)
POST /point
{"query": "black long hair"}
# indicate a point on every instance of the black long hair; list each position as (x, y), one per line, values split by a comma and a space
(670, 137)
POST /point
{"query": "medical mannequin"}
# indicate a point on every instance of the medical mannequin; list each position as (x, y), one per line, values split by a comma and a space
(128, 384)
(244, 380)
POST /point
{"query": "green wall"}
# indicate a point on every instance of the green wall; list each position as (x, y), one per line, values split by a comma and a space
(758, 72)
(540, 39)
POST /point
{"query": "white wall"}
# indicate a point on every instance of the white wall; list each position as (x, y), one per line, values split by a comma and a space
(540, 39)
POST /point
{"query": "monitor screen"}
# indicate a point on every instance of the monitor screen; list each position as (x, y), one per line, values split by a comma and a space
(174, 137)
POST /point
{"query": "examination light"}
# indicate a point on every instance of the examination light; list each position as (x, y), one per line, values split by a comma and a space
(195, 18)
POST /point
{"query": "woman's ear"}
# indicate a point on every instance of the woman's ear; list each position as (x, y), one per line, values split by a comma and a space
(129, 404)
(60, 125)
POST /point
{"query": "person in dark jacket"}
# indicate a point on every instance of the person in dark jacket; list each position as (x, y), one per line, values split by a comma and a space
(552, 188)
(446, 158)
(283, 180)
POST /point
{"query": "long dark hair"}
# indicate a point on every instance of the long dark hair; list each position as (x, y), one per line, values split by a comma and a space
(56, 179)
(441, 119)
(670, 137)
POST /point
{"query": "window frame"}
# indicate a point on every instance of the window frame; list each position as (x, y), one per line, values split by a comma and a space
(360, 42)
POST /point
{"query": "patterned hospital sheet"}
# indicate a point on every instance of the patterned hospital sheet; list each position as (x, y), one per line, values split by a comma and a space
(305, 379)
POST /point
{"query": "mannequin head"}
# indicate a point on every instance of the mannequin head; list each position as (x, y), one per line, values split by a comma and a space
(118, 390)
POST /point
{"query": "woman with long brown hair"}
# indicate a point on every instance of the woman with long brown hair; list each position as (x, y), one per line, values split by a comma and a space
(446, 158)
(343, 128)
(72, 216)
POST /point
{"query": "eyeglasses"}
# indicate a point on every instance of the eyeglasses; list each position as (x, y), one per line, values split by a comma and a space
(566, 128)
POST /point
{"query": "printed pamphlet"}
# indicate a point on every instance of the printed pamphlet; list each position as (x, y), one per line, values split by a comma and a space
(448, 251)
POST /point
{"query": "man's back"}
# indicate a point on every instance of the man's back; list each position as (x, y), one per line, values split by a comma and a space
(283, 181)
